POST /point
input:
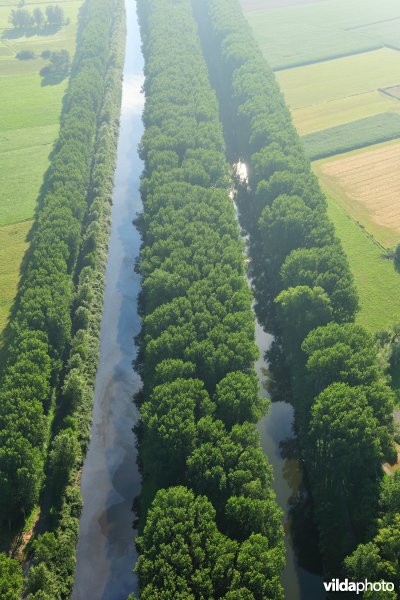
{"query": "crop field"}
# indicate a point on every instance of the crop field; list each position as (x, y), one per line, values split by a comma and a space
(367, 185)
(378, 284)
(299, 33)
(353, 135)
(337, 112)
(28, 128)
(340, 78)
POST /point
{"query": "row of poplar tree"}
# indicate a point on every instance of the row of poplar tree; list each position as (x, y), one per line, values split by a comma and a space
(208, 519)
(305, 295)
(47, 382)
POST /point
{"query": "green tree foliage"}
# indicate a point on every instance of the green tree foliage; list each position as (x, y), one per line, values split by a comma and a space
(52, 555)
(21, 18)
(10, 578)
(326, 268)
(380, 558)
(302, 281)
(54, 14)
(41, 323)
(38, 17)
(183, 555)
(343, 440)
(314, 306)
(237, 399)
(200, 396)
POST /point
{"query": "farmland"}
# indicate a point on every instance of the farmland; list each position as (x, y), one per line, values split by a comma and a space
(377, 283)
(304, 33)
(353, 135)
(340, 78)
(28, 128)
(316, 117)
(367, 185)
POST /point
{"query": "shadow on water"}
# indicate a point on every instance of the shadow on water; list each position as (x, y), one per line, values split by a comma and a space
(106, 551)
(301, 578)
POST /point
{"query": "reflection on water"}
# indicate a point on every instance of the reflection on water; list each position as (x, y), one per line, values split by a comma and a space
(276, 434)
(133, 98)
(240, 171)
(277, 439)
(106, 549)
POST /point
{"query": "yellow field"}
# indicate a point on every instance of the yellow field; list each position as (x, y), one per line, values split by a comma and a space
(367, 184)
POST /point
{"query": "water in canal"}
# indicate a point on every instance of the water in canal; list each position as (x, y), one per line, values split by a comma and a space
(106, 548)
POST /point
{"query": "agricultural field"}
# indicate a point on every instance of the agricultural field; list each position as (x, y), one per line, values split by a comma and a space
(353, 135)
(298, 33)
(317, 117)
(377, 283)
(30, 109)
(341, 78)
(367, 185)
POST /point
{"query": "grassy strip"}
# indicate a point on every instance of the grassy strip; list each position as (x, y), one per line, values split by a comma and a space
(351, 136)
(377, 283)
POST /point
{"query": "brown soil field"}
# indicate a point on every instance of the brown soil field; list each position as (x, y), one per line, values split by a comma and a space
(371, 180)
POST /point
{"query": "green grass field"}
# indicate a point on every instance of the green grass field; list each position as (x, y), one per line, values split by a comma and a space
(377, 282)
(29, 119)
(304, 33)
(350, 136)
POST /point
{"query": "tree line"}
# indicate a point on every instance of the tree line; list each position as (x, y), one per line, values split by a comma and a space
(22, 18)
(304, 291)
(208, 519)
(54, 331)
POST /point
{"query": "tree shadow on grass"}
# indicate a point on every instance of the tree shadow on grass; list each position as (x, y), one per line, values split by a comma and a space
(53, 78)
(19, 32)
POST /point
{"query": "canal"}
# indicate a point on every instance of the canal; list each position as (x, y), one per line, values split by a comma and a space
(110, 480)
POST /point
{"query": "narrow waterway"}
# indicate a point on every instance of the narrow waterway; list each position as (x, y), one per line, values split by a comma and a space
(277, 427)
(106, 549)
(274, 428)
